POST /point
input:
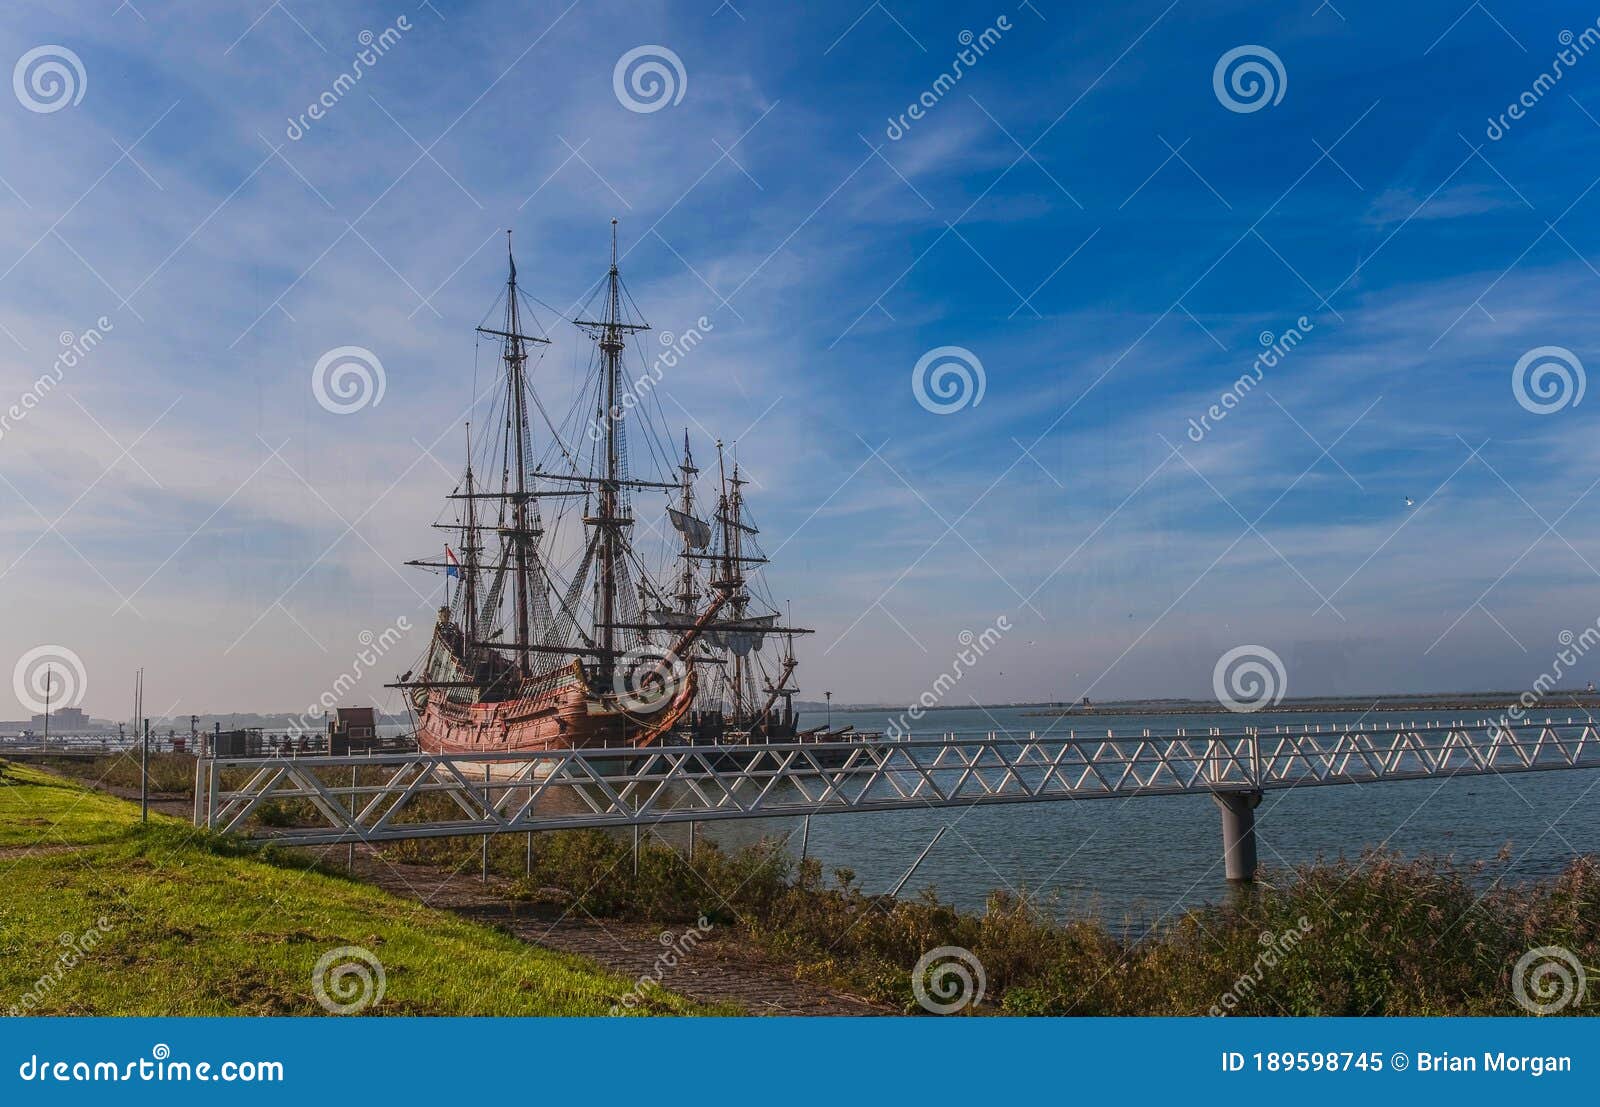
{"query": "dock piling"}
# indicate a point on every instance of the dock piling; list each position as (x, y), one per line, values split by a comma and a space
(1238, 834)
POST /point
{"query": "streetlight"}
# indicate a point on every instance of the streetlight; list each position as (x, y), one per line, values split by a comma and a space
(49, 686)
(829, 697)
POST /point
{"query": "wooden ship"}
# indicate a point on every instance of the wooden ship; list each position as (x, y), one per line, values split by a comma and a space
(554, 633)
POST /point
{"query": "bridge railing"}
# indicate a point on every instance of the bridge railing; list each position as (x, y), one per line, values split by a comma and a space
(336, 800)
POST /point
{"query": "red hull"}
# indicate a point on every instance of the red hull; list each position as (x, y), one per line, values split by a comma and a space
(570, 716)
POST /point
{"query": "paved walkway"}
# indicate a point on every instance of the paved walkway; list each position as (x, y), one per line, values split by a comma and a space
(717, 969)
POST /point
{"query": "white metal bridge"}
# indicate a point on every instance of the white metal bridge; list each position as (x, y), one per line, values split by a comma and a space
(373, 799)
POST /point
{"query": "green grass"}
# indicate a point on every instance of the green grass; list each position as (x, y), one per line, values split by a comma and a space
(1380, 934)
(103, 916)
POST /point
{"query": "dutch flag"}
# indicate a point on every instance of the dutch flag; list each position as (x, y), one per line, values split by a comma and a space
(452, 567)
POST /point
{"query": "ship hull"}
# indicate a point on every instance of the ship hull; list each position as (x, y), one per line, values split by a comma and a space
(571, 715)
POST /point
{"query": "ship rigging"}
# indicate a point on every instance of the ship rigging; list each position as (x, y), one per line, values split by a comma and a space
(556, 633)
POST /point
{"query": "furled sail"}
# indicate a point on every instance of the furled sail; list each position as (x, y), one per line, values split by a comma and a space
(697, 531)
(743, 636)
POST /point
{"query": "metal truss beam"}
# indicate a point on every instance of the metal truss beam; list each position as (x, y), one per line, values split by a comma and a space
(338, 800)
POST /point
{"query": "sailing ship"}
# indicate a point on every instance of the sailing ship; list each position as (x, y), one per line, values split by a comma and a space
(527, 654)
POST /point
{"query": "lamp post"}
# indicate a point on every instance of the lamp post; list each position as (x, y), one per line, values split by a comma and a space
(49, 683)
(829, 697)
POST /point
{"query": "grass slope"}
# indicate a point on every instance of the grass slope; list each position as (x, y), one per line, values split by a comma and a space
(101, 916)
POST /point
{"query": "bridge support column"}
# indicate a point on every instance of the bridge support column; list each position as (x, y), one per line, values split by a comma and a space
(1238, 834)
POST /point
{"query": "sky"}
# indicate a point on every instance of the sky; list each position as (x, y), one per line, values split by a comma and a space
(967, 352)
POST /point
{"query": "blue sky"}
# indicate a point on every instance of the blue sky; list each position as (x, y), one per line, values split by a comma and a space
(1080, 211)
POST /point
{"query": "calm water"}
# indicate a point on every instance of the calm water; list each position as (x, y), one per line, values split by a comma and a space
(1137, 860)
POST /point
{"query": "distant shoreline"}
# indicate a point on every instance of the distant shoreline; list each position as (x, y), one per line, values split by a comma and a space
(1557, 699)
(1475, 701)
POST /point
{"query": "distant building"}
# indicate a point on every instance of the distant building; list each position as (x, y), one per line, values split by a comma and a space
(65, 720)
(357, 722)
(352, 730)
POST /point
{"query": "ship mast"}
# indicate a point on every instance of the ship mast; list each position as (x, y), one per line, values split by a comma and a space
(469, 555)
(687, 592)
(516, 357)
(609, 519)
(732, 579)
